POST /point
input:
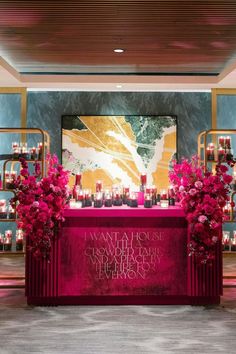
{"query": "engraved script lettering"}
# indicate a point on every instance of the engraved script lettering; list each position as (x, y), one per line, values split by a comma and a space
(124, 255)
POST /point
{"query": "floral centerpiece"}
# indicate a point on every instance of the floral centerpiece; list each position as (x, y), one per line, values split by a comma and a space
(40, 204)
(202, 195)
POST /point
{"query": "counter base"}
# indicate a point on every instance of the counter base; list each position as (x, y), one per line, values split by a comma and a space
(124, 300)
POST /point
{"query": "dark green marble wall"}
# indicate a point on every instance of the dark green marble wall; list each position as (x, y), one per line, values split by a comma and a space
(193, 110)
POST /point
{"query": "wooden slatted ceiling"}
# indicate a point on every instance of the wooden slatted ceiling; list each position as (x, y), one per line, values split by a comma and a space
(79, 36)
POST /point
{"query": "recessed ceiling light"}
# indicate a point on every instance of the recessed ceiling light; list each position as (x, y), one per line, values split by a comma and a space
(119, 50)
(119, 86)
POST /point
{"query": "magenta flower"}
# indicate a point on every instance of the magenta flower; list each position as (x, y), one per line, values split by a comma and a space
(198, 184)
(202, 218)
(202, 195)
(40, 204)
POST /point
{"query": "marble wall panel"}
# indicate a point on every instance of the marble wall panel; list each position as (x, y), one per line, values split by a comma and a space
(193, 110)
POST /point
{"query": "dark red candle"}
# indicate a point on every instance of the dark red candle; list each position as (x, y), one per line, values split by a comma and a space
(143, 179)
(78, 179)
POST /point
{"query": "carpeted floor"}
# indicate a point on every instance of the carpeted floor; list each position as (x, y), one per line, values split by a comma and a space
(117, 329)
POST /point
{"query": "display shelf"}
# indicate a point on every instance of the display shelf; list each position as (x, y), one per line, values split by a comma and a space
(12, 253)
(204, 138)
(9, 161)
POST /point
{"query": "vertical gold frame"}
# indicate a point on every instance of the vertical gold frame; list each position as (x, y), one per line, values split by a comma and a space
(23, 92)
(214, 93)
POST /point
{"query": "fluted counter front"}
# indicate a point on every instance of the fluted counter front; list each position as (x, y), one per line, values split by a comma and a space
(122, 256)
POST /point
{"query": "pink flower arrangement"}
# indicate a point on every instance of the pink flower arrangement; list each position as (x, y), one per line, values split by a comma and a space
(202, 195)
(40, 204)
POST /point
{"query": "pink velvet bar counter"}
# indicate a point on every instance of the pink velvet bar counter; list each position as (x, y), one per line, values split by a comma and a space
(123, 255)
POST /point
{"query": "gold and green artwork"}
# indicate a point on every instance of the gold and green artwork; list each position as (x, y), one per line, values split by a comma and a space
(118, 149)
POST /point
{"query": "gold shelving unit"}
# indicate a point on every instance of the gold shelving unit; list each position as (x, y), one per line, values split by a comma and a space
(203, 140)
(23, 132)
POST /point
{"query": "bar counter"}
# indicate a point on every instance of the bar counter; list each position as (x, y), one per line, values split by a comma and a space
(123, 255)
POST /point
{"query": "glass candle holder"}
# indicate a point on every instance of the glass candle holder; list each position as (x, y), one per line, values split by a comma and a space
(16, 153)
(226, 211)
(11, 212)
(221, 154)
(1, 241)
(147, 201)
(143, 182)
(14, 145)
(117, 200)
(133, 201)
(210, 152)
(3, 212)
(8, 241)
(72, 203)
(164, 203)
(87, 198)
(228, 142)
(125, 195)
(98, 186)
(98, 202)
(221, 141)
(80, 200)
(108, 199)
(78, 178)
(19, 240)
(234, 181)
(33, 153)
(163, 194)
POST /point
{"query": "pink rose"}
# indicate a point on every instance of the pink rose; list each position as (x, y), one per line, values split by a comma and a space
(181, 189)
(214, 239)
(202, 218)
(198, 184)
(192, 191)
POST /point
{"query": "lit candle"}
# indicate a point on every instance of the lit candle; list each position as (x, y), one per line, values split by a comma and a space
(221, 154)
(98, 200)
(228, 141)
(3, 212)
(210, 152)
(133, 202)
(78, 179)
(19, 240)
(147, 201)
(148, 190)
(108, 199)
(15, 145)
(163, 194)
(98, 186)
(143, 179)
(11, 212)
(8, 240)
(16, 153)
(3, 203)
(222, 141)
(33, 153)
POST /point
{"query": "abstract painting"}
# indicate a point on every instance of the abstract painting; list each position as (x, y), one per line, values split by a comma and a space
(117, 149)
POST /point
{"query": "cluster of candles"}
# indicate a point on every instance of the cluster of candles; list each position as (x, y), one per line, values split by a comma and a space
(224, 151)
(10, 177)
(119, 196)
(6, 240)
(22, 150)
(228, 241)
(6, 211)
(228, 209)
